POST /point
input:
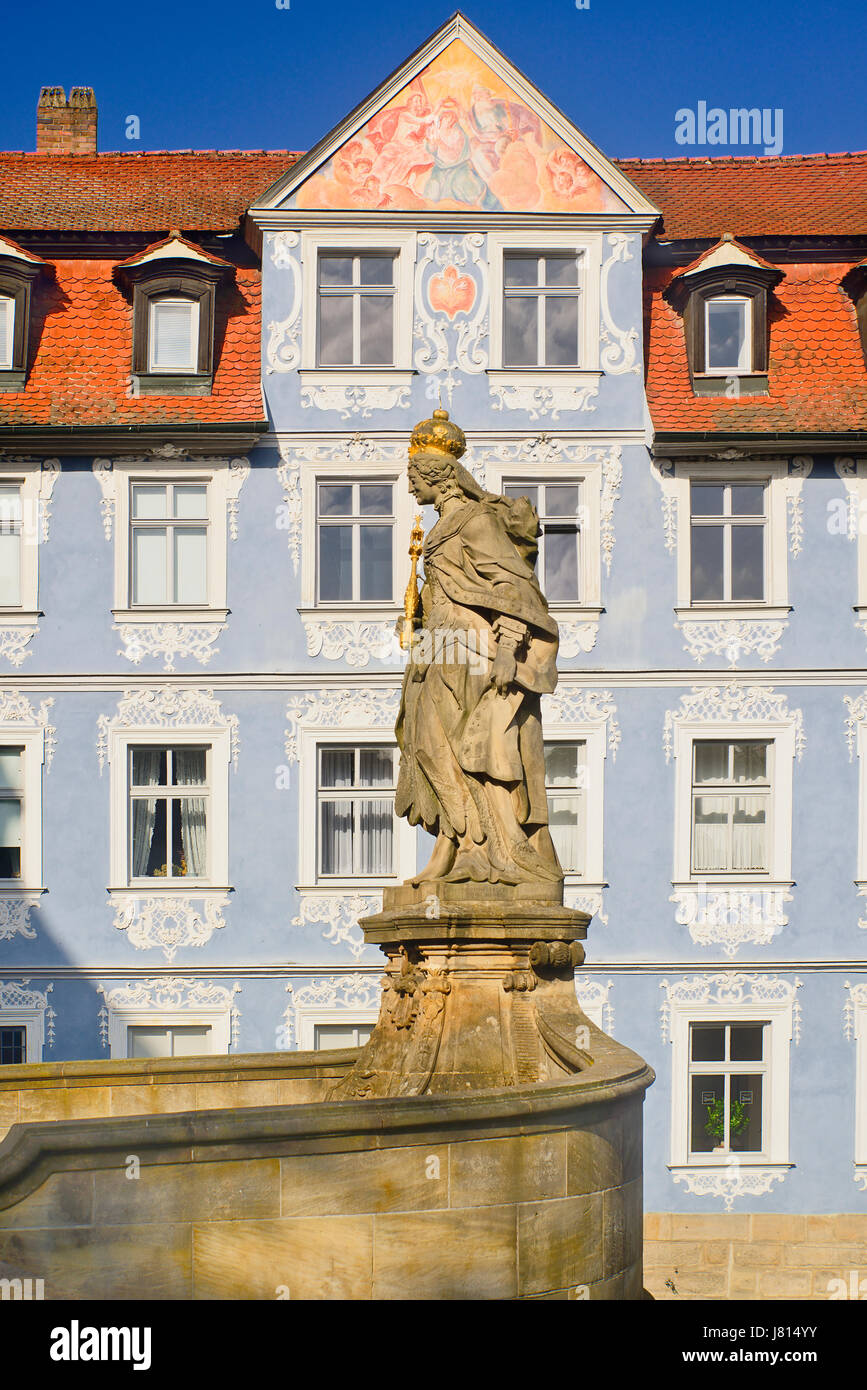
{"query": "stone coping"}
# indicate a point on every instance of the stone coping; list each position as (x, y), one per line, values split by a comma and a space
(30, 1153)
(154, 1071)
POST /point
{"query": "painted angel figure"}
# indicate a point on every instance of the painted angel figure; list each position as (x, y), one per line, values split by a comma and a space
(472, 768)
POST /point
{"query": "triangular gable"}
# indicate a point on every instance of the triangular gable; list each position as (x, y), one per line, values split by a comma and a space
(456, 129)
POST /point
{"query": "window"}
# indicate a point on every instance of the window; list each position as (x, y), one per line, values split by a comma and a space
(179, 1040)
(7, 327)
(169, 544)
(727, 1086)
(728, 333)
(356, 811)
(728, 541)
(173, 335)
(541, 310)
(356, 303)
(10, 545)
(731, 802)
(13, 1045)
(11, 811)
(168, 812)
(566, 781)
(355, 540)
(559, 563)
(328, 1036)
(19, 273)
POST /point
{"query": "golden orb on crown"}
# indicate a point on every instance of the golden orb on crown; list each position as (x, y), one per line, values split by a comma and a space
(438, 435)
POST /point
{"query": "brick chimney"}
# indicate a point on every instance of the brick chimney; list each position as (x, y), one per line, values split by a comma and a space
(66, 127)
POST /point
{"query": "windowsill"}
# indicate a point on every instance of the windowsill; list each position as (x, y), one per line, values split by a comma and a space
(13, 888)
(19, 616)
(543, 376)
(590, 611)
(11, 380)
(170, 615)
(166, 384)
(714, 882)
(356, 376)
(349, 612)
(164, 887)
(733, 612)
(360, 885)
(717, 384)
(726, 1162)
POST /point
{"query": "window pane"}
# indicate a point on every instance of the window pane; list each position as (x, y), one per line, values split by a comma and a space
(10, 839)
(191, 501)
(10, 569)
(6, 317)
(337, 767)
(329, 1036)
(707, 499)
(519, 271)
(520, 327)
(188, 767)
(561, 499)
(335, 270)
(191, 581)
(374, 499)
(336, 837)
(746, 1042)
(173, 346)
(149, 503)
(748, 499)
(564, 817)
(561, 331)
(335, 330)
(13, 1046)
(375, 767)
(335, 563)
(189, 1041)
(10, 507)
(376, 542)
(748, 833)
(726, 335)
(188, 838)
(708, 1042)
(149, 767)
(148, 1042)
(10, 768)
(707, 1127)
(707, 563)
(377, 318)
(335, 499)
(148, 837)
(561, 764)
(376, 824)
(561, 271)
(745, 1114)
(561, 563)
(522, 490)
(748, 562)
(149, 566)
(376, 270)
(750, 762)
(711, 762)
(710, 834)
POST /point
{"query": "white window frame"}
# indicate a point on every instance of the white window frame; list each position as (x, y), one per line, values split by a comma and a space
(777, 1016)
(354, 292)
(731, 790)
(746, 370)
(310, 740)
(853, 473)
(861, 867)
(355, 240)
(308, 1018)
(7, 339)
(32, 740)
(169, 523)
(589, 478)
(781, 758)
(594, 736)
(355, 520)
(219, 742)
(858, 1005)
(192, 366)
(218, 1018)
(32, 1020)
(775, 606)
(214, 474)
(28, 477)
(587, 246)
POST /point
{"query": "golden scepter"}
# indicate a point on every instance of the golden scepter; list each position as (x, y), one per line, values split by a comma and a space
(412, 599)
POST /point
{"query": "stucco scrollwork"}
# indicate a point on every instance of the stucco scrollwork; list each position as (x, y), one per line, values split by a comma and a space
(283, 349)
(355, 400)
(618, 352)
(730, 990)
(339, 913)
(731, 917)
(166, 707)
(732, 638)
(734, 703)
(170, 641)
(570, 705)
(539, 401)
(168, 923)
(13, 995)
(170, 993)
(734, 1180)
(351, 707)
(352, 642)
(331, 992)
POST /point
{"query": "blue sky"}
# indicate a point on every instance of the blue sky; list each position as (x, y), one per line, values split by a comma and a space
(222, 75)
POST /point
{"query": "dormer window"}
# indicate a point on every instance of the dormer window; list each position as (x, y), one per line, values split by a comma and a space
(174, 285)
(7, 328)
(723, 298)
(18, 270)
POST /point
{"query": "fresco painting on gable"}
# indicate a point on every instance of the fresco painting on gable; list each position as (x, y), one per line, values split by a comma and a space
(456, 139)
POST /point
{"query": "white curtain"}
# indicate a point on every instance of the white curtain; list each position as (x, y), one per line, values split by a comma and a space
(144, 809)
(375, 825)
(337, 837)
(748, 833)
(190, 771)
(720, 822)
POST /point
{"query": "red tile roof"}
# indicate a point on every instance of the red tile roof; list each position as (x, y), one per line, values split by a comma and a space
(790, 195)
(195, 190)
(81, 326)
(817, 378)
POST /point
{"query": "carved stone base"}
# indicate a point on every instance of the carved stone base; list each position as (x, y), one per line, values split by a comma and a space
(478, 992)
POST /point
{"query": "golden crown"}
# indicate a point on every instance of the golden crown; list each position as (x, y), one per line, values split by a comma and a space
(439, 435)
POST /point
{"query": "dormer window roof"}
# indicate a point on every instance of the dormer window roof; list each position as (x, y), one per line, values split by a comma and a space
(18, 270)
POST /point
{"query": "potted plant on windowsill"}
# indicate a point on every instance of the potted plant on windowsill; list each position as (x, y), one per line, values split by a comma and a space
(739, 1121)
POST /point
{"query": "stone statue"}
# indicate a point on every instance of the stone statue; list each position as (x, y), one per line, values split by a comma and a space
(483, 651)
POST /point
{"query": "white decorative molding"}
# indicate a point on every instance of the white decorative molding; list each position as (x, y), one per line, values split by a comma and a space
(612, 474)
(663, 472)
(460, 314)
(586, 898)
(352, 707)
(171, 994)
(731, 917)
(13, 641)
(352, 642)
(618, 354)
(857, 707)
(49, 473)
(239, 472)
(353, 993)
(15, 708)
(170, 641)
(570, 705)
(356, 400)
(539, 401)
(734, 703)
(799, 469)
(168, 922)
(103, 470)
(576, 637)
(732, 638)
(167, 707)
(860, 1178)
(731, 991)
(735, 1180)
(15, 909)
(30, 1009)
(283, 350)
(340, 913)
(847, 471)
(593, 996)
(856, 997)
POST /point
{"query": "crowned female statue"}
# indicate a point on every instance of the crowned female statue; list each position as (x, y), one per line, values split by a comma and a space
(482, 653)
